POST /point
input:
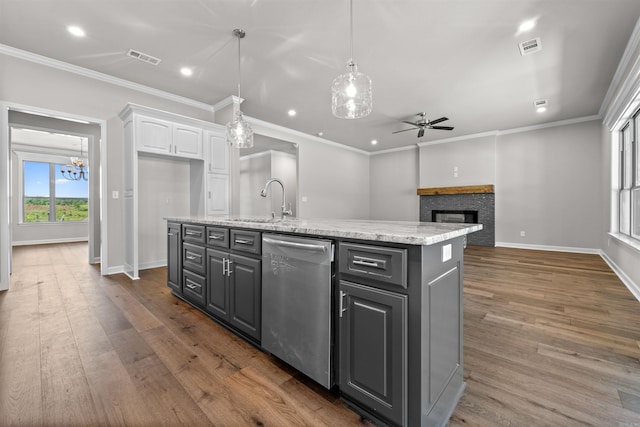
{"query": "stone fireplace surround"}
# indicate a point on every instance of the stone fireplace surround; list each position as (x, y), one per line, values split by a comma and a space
(480, 198)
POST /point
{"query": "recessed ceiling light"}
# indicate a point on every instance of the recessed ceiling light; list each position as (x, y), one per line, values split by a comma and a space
(291, 113)
(527, 25)
(540, 105)
(76, 31)
(320, 133)
(541, 109)
(186, 71)
(374, 141)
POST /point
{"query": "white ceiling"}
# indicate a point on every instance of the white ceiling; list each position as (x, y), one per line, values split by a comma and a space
(454, 58)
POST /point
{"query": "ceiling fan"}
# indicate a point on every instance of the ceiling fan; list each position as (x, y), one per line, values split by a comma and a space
(423, 123)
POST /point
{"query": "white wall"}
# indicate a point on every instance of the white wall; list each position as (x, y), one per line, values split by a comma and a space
(163, 193)
(394, 178)
(548, 184)
(255, 170)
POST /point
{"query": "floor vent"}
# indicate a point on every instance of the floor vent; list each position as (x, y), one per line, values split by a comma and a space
(143, 57)
(530, 46)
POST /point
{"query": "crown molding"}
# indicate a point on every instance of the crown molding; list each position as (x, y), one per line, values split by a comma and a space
(394, 150)
(85, 72)
(615, 101)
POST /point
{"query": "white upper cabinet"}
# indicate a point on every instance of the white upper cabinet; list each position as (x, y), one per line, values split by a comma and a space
(217, 194)
(153, 135)
(217, 151)
(169, 137)
(187, 141)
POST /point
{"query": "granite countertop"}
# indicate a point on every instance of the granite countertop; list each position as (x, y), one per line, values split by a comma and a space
(407, 232)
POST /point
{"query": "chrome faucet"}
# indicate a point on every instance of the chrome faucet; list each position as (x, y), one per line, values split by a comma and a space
(263, 193)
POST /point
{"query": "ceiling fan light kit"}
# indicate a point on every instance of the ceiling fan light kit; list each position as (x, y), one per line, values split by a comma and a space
(351, 93)
(239, 132)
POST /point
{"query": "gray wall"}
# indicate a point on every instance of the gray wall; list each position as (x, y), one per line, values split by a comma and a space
(547, 182)
(394, 178)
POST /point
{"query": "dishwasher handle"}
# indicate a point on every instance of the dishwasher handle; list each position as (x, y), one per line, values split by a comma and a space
(295, 245)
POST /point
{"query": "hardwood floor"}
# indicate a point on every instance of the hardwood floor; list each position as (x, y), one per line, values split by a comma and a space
(550, 339)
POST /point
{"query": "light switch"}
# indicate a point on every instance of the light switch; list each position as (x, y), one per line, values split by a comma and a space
(115, 194)
(446, 252)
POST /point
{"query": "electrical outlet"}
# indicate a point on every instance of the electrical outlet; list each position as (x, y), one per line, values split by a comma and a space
(523, 234)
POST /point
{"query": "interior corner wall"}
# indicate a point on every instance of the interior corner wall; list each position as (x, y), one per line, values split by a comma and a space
(394, 179)
(30, 84)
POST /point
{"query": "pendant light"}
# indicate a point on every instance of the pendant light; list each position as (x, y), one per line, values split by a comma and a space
(351, 96)
(78, 168)
(239, 132)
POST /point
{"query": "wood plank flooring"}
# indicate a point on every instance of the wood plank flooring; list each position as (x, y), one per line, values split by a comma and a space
(550, 339)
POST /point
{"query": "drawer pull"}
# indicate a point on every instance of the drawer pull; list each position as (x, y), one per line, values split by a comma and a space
(192, 285)
(192, 233)
(192, 257)
(243, 242)
(370, 262)
(215, 237)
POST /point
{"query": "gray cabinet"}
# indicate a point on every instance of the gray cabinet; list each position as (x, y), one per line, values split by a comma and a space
(373, 349)
(174, 257)
(234, 285)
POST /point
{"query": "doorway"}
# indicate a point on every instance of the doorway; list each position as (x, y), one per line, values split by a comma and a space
(46, 148)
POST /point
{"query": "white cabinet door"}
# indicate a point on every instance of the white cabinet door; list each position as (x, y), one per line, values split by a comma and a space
(218, 151)
(153, 135)
(187, 141)
(217, 194)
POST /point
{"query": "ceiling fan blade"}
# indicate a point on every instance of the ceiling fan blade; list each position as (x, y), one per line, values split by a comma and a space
(404, 130)
(441, 119)
(409, 123)
(421, 133)
(441, 127)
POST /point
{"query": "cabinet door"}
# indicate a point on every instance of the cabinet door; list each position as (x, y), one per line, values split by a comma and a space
(174, 257)
(187, 141)
(217, 287)
(373, 349)
(217, 194)
(217, 152)
(153, 135)
(245, 287)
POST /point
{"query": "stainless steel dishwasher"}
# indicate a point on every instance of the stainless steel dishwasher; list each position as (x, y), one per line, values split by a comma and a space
(296, 303)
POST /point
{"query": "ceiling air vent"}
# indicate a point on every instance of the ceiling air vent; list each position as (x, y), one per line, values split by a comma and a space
(143, 57)
(530, 46)
(539, 103)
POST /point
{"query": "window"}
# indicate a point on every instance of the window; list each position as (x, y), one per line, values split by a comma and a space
(49, 197)
(629, 180)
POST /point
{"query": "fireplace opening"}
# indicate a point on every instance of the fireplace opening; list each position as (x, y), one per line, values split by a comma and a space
(470, 217)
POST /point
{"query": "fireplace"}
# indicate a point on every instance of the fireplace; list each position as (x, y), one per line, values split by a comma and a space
(469, 204)
(470, 217)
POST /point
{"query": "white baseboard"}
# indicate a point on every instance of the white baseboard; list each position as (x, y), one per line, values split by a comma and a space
(633, 287)
(152, 264)
(48, 241)
(115, 270)
(548, 248)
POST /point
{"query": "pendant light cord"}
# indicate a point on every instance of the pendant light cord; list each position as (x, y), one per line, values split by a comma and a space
(239, 70)
(351, 30)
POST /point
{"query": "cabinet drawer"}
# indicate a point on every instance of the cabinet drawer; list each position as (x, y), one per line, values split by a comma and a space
(246, 241)
(387, 265)
(217, 236)
(193, 258)
(193, 286)
(193, 233)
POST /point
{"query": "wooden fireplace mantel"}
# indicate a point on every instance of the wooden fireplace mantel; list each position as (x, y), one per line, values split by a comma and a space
(467, 189)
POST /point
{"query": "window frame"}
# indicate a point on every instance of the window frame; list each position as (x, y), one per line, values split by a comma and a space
(51, 159)
(628, 181)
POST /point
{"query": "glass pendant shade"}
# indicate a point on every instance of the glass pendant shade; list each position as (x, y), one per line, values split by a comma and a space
(351, 94)
(239, 132)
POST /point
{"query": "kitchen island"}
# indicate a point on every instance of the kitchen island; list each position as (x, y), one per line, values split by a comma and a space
(395, 346)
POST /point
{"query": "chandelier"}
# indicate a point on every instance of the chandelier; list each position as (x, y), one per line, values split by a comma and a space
(78, 168)
(351, 95)
(239, 132)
